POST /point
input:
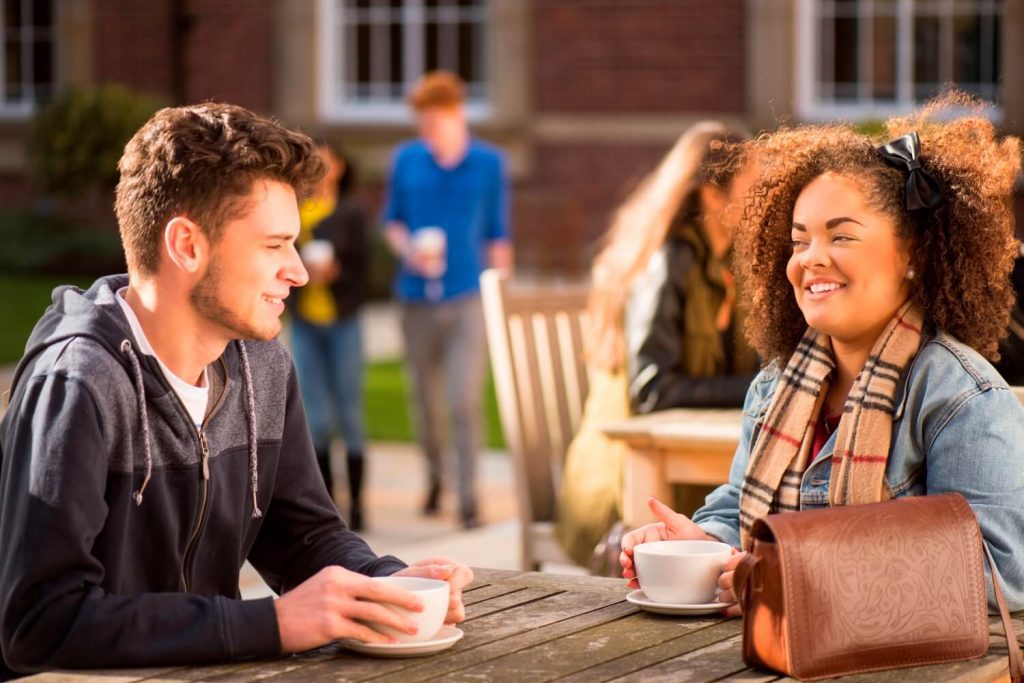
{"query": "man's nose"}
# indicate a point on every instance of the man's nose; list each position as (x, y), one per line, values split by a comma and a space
(294, 270)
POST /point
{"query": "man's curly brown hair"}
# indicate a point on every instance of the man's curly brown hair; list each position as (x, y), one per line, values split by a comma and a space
(200, 161)
(962, 250)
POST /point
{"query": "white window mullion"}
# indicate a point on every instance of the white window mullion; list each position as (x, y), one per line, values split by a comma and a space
(3, 63)
(905, 53)
(946, 43)
(379, 57)
(447, 31)
(828, 59)
(987, 68)
(27, 52)
(415, 45)
(866, 52)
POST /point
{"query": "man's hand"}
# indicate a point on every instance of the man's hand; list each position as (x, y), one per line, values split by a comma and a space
(457, 575)
(671, 526)
(422, 264)
(324, 607)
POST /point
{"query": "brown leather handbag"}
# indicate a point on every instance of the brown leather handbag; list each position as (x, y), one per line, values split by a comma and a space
(868, 587)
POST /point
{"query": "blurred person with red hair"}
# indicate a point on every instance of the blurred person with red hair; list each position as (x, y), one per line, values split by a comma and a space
(446, 218)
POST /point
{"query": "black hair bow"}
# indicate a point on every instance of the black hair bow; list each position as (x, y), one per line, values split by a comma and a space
(923, 190)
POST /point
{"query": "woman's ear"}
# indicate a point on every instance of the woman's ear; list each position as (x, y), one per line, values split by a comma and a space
(186, 244)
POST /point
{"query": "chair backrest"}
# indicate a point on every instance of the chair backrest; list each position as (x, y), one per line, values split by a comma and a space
(535, 336)
(1019, 391)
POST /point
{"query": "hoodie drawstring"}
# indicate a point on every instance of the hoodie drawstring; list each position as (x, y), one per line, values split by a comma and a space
(250, 410)
(126, 349)
(250, 405)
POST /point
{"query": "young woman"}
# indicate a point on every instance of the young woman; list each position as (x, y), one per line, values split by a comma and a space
(880, 281)
(664, 328)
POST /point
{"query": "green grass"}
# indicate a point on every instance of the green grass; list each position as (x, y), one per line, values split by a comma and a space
(387, 405)
(23, 300)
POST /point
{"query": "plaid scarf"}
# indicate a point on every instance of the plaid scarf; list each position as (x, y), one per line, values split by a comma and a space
(783, 441)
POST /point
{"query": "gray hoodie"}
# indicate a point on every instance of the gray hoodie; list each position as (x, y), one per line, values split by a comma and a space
(123, 528)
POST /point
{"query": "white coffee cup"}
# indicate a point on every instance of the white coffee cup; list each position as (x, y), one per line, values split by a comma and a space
(434, 594)
(680, 572)
(431, 244)
(317, 252)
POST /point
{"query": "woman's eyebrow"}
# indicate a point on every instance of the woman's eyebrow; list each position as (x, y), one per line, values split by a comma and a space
(829, 224)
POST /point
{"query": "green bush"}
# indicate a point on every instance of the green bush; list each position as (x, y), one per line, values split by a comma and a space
(78, 137)
(37, 242)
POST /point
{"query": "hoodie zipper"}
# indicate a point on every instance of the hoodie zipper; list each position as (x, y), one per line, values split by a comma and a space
(204, 450)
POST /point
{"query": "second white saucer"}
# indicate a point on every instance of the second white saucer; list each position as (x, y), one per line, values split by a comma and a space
(638, 598)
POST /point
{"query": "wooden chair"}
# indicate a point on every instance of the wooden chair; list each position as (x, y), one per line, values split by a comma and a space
(535, 337)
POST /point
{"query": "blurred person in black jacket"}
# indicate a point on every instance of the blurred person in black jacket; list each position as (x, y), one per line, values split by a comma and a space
(1011, 349)
(327, 341)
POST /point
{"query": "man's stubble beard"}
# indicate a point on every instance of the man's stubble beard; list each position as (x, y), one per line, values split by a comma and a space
(204, 299)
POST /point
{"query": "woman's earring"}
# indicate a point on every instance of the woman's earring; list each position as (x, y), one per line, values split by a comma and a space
(910, 274)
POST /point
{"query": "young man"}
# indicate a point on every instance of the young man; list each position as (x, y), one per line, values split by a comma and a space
(450, 183)
(155, 438)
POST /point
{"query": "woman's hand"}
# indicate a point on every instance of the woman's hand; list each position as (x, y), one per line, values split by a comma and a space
(671, 526)
(725, 582)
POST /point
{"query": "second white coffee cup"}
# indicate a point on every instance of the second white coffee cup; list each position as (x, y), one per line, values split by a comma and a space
(434, 594)
(680, 572)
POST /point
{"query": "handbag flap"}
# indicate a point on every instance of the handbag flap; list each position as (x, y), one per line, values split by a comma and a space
(882, 585)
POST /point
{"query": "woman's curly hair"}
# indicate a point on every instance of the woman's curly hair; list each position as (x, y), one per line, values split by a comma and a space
(962, 250)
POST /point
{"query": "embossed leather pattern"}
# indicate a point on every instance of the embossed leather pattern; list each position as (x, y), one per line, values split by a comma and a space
(865, 588)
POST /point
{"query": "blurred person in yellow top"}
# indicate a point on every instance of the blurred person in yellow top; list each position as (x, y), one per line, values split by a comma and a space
(326, 332)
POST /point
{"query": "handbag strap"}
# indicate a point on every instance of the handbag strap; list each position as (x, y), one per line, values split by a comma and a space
(1012, 644)
(743, 582)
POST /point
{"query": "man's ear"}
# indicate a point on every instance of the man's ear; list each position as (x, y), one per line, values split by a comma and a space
(186, 244)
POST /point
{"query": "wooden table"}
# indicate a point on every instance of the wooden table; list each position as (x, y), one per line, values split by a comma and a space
(539, 627)
(681, 446)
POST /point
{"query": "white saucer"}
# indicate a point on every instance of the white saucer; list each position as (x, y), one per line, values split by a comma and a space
(638, 598)
(445, 638)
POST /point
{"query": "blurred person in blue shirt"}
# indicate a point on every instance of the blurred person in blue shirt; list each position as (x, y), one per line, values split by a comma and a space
(446, 218)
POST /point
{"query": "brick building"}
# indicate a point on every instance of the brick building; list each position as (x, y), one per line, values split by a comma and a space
(585, 95)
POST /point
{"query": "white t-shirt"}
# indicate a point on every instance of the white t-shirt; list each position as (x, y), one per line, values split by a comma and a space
(194, 398)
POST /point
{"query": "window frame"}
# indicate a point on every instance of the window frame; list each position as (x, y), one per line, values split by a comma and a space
(331, 101)
(809, 104)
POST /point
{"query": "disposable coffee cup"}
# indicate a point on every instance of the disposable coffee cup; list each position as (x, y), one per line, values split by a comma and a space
(680, 572)
(434, 594)
(317, 252)
(431, 246)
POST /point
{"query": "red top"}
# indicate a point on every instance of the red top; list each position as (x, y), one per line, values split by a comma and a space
(822, 431)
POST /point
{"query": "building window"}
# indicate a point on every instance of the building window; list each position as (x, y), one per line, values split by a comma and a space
(373, 50)
(28, 56)
(874, 58)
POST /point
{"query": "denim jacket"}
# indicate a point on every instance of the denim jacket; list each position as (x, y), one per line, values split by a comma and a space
(957, 428)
